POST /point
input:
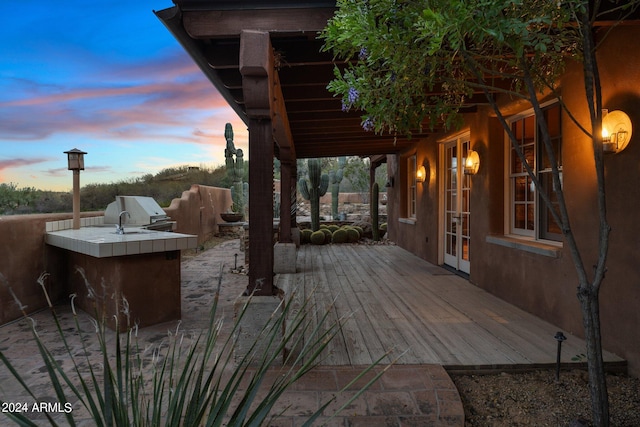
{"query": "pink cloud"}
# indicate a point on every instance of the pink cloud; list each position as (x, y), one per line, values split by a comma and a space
(18, 162)
(62, 172)
(57, 172)
(159, 97)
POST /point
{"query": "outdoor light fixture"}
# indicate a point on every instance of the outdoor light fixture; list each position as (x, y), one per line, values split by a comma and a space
(616, 131)
(421, 174)
(75, 159)
(471, 163)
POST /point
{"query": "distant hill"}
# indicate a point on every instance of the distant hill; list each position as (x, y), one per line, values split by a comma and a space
(165, 186)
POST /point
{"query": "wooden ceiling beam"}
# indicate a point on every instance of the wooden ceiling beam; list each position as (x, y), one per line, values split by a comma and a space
(225, 23)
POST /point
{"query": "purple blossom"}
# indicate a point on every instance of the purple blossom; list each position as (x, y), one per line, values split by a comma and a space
(368, 124)
(363, 54)
(353, 95)
(345, 106)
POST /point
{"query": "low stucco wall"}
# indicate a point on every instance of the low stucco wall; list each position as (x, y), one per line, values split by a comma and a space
(198, 211)
(24, 255)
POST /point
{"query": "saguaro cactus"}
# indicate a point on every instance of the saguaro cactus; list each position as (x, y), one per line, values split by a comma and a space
(312, 190)
(335, 177)
(375, 225)
(235, 170)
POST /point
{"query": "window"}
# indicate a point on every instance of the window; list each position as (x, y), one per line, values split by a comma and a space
(529, 215)
(411, 186)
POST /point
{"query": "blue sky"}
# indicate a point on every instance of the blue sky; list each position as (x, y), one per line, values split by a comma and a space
(106, 77)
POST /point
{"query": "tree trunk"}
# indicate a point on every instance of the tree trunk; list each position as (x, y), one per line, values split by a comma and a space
(595, 363)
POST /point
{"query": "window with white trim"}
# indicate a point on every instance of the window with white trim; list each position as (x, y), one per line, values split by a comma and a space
(411, 186)
(529, 214)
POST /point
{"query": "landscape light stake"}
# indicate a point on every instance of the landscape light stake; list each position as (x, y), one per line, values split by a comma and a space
(235, 263)
(559, 337)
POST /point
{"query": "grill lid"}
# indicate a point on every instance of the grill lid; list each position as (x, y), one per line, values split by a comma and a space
(142, 210)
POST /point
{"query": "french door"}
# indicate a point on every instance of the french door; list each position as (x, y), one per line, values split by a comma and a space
(456, 205)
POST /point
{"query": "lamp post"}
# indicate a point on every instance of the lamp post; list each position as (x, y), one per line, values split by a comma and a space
(75, 160)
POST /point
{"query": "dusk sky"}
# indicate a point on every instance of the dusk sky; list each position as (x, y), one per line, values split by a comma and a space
(106, 77)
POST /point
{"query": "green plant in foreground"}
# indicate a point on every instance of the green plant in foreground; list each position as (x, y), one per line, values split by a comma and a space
(182, 382)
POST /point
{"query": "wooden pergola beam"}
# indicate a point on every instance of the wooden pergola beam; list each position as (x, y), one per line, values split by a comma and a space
(198, 24)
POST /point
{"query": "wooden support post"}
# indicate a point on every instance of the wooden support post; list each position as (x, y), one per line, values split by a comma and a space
(285, 204)
(76, 199)
(261, 207)
(256, 67)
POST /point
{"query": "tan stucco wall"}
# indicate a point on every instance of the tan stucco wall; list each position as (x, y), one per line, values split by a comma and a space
(24, 255)
(543, 285)
(198, 210)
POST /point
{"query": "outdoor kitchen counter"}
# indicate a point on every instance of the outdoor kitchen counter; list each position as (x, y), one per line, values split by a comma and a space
(102, 241)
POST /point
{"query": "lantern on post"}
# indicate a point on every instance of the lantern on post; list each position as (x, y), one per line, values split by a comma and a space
(75, 159)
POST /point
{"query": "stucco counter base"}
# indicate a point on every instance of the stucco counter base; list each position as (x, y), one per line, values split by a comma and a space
(129, 290)
(124, 280)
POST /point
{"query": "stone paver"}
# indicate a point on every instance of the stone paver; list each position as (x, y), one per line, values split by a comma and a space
(405, 395)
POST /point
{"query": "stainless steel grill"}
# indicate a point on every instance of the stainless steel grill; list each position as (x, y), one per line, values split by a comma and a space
(144, 212)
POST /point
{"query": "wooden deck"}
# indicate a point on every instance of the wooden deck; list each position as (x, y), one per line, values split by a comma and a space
(392, 301)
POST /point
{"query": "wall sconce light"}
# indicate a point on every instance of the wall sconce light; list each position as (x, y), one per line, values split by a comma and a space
(471, 163)
(616, 131)
(421, 174)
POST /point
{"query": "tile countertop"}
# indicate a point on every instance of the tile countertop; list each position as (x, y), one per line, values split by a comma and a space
(102, 241)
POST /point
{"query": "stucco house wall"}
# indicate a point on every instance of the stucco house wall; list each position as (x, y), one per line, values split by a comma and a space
(544, 282)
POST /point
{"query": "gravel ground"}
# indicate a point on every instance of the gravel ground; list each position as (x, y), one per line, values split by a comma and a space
(536, 399)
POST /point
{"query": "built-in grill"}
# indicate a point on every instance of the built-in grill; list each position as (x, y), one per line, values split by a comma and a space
(143, 211)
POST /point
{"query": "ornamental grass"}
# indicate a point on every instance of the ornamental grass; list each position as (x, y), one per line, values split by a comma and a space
(187, 380)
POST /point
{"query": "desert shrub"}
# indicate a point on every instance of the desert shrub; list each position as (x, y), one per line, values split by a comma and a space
(327, 235)
(352, 235)
(305, 235)
(318, 237)
(339, 236)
